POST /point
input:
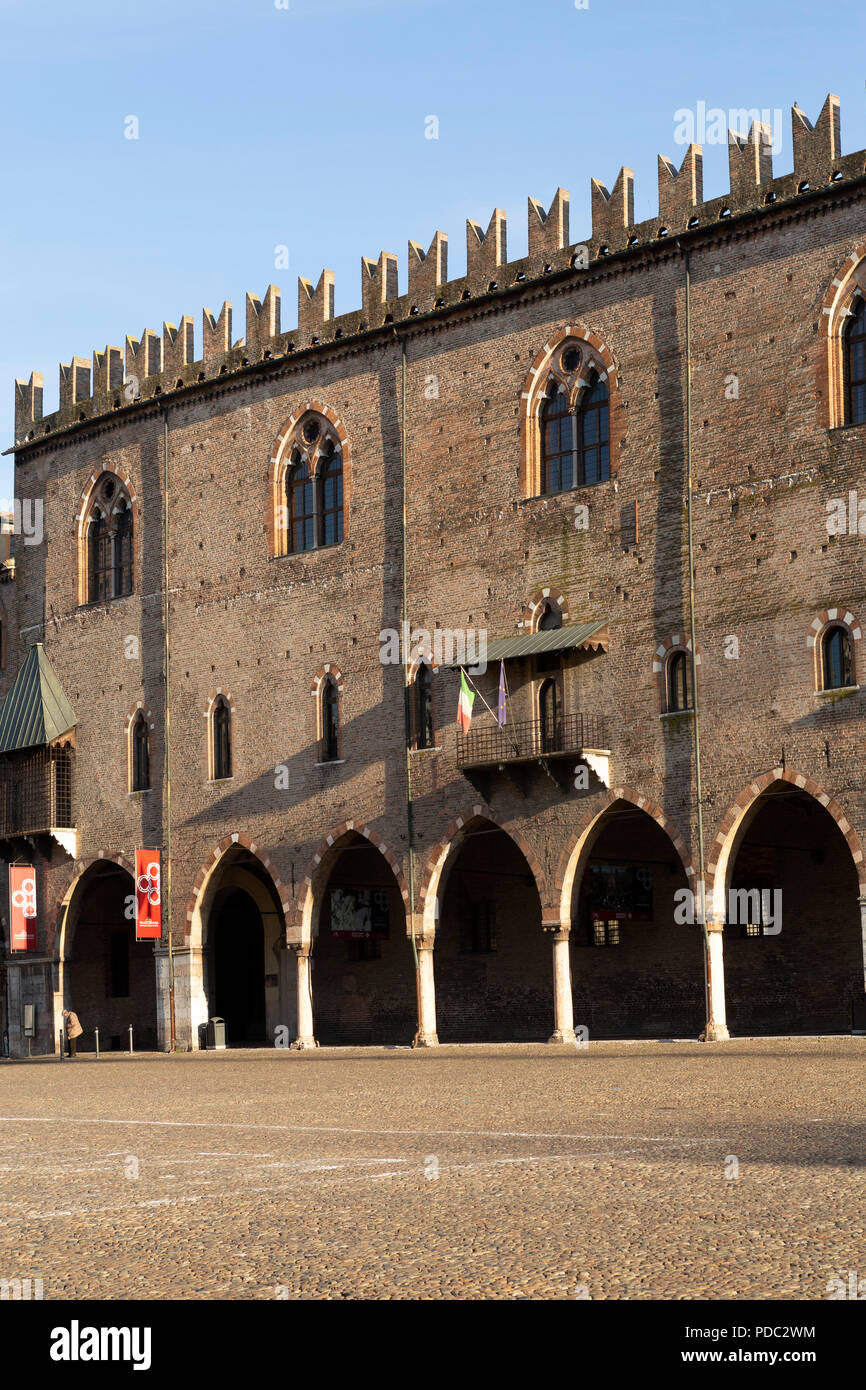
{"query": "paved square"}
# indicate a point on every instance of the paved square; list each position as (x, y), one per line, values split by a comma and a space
(479, 1172)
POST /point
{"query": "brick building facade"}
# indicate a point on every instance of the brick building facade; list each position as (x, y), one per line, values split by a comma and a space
(230, 536)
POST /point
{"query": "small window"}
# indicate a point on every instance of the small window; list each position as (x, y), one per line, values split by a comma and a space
(330, 747)
(854, 347)
(140, 754)
(605, 932)
(423, 707)
(679, 683)
(478, 934)
(575, 442)
(837, 664)
(221, 734)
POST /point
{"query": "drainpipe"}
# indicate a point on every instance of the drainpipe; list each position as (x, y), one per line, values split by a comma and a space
(167, 733)
(404, 628)
(699, 792)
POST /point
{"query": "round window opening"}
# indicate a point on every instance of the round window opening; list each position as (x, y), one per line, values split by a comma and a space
(571, 359)
(311, 431)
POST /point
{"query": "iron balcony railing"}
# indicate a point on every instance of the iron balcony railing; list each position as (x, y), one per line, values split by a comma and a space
(36, 791)
(531, 739)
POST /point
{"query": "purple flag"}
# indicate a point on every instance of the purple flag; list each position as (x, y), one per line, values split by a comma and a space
(500, 704)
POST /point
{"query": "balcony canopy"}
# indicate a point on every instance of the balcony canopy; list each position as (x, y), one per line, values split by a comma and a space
(36, 711)
(590, 636)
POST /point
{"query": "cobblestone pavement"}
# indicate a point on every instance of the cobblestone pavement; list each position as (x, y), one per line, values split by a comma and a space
(475, 1172)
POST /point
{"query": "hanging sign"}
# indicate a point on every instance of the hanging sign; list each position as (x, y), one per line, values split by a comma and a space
(148, 895)
(22, 905)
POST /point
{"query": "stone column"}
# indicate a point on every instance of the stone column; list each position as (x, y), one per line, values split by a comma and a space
(426, 992)
(717, 1023)
(563, 1008)
(305, 1036)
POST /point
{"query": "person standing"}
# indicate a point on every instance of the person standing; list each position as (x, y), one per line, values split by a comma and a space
(73, 1031)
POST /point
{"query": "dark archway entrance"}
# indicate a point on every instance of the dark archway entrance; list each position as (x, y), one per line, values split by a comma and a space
(363, 980)
(494, 980)
(636, 972)
(238, 952)
(807, 977)
(110, 978)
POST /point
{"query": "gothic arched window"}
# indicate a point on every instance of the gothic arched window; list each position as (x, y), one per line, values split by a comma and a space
(854, 345)
(109, 537)
(679, 683)
(311, 497)
(423, 707)
(574, 424)
(221, 739)
(140, 754)
(330, 743)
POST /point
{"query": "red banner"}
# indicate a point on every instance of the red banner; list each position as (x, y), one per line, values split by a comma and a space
(22, 907)
(148, 895)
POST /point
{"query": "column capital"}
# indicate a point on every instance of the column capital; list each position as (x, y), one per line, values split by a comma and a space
(559, 930)
(303, 949)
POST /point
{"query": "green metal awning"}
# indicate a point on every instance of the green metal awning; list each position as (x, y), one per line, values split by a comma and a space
(35, 711)
(559, 639)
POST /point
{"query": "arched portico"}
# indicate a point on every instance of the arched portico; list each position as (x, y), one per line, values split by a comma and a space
(480, 902)
(786, 879)
(103, 974)
(234, 965)
(636, 970)
(355, 972)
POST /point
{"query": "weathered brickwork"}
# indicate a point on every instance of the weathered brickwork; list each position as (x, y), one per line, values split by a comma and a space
(447, 379)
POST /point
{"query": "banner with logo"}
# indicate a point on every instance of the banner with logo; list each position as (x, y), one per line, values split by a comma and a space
(148, 895)
(22, 913)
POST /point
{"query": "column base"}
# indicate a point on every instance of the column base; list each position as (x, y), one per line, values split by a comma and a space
(715, 1032)
(564, 1036)
(304, 1044)
(425, 1040)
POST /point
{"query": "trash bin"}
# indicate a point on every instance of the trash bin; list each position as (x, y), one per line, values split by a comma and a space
(216, 1032)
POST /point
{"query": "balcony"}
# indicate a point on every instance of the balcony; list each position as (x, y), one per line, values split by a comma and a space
(36, 794)
(532, 741)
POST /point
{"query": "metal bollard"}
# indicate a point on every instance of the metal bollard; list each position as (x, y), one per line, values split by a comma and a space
(130, 1039)
(96, 1036)
(60, 1033)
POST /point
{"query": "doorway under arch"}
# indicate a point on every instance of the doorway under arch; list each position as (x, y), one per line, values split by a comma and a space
(109, 977)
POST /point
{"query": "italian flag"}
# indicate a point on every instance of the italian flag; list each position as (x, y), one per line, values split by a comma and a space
(464, 708)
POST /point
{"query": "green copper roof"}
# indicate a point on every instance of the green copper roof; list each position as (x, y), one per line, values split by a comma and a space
(556, 640)
(36, 710)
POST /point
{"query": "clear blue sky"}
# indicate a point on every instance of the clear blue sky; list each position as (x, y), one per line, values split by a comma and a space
(305, 127)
